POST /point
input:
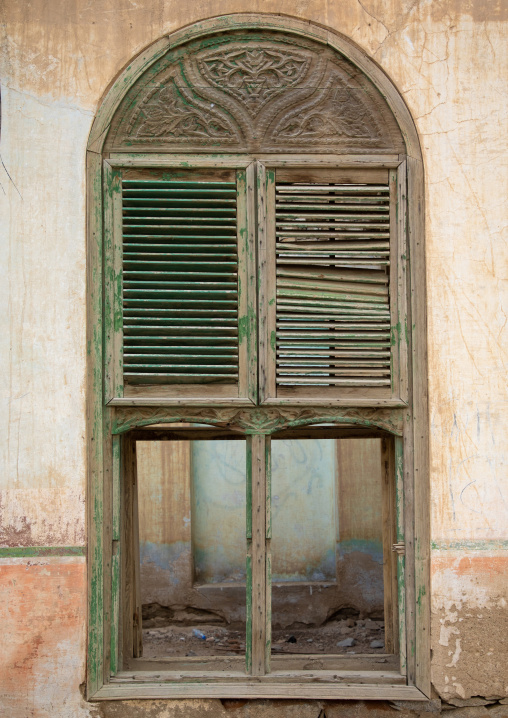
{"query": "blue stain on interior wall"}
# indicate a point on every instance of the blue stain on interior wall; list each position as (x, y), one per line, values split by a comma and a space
(165, 556)
(374, 549)
(218, 511)
(303, 510)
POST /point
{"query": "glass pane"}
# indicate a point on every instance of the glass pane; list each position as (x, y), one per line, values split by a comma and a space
(327, 550)
(191, 498)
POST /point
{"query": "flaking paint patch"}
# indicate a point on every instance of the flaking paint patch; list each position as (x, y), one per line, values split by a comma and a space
(42, 517)
(469, 624)
(42, 613)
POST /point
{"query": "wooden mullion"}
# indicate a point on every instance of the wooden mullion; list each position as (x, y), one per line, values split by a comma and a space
(393, 286)
(400, 288)
(251, 285)
(116, 556)
(113, 247)
(267, 299)
(389, 557)
(409, 564)
(127, 563)
(256, 478)
(420, 468)
(401, 581)
(137, 637)
(95, 429)
(243, 294)
(108, 543)
(268, 536)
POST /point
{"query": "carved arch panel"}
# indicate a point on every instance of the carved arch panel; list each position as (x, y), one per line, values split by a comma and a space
(254, 91)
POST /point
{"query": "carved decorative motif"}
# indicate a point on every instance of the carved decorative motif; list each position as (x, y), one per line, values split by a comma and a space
(340, 117)
(253, 92)
(254, 75)
(259, 420)
(165, 114)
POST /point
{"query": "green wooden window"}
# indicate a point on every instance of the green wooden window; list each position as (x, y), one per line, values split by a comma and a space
(178, 282)
(307, 321)
(332, 285)
(193, 276)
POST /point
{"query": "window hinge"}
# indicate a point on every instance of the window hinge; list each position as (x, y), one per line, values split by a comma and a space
(399, 548)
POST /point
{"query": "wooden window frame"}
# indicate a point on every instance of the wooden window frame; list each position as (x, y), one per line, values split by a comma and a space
(276, 676)
(115, 389)
(122, 414)
(396, 171)
(109, 417)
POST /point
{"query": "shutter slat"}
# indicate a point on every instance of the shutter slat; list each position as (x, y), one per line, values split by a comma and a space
(332, 258)
(180, 286)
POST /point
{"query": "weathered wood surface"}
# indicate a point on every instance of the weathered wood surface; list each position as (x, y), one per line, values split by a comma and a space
(348, 396)
(260, 689)
(279, 118)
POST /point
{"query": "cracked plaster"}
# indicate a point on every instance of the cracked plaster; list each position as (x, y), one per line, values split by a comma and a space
(449, 61)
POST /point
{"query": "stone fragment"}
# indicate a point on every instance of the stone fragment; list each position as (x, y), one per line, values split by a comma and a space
(272, 709)
(186, 708)
(346, 643)
(378, 643)
(466, 702)
(365, 709)
(498, 711)
(420, 707)
(469, 712)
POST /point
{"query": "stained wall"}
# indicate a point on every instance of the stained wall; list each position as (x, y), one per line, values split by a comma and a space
(449, 62)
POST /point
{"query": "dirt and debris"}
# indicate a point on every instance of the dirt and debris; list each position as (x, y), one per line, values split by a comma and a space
(342, 636)
(181, 641)
(190, 632)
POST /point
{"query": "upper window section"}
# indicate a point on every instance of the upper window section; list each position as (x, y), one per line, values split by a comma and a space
(254, 91)
(247, 260)
(254, 283)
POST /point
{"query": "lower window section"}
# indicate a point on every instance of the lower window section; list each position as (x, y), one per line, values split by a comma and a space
(250, 557)
(327, 547)
(192, 548)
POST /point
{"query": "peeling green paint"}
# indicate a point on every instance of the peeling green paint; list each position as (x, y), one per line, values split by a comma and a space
(248, 620)
(41, 551)
(471, 545)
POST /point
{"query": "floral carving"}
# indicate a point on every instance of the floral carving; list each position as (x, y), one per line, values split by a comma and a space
(166, 115)
(254, 75)
(259, 420)
(255, 93)
(342, 115)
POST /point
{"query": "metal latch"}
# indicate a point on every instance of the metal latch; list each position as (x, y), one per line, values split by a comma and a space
(399, 548)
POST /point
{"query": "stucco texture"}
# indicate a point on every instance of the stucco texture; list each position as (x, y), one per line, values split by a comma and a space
(449, 61)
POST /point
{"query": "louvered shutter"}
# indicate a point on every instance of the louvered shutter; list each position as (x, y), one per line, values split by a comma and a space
(332, 245)
(180, 280)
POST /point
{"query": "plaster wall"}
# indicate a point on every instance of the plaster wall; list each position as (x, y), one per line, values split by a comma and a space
(449, 61)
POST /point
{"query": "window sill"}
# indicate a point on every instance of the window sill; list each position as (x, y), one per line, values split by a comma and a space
(126, 686)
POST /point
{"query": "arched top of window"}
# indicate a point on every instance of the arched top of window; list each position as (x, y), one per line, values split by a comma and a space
(254, 90)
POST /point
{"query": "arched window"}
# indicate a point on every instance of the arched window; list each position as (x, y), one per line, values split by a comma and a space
(257, 280)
